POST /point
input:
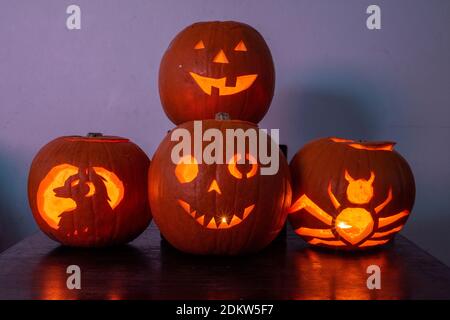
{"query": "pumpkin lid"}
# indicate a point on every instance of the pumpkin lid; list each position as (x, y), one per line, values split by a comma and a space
(96, 137)
(366, 145)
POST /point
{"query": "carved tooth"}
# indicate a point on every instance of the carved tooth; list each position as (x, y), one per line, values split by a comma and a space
(201, 219)
(235, 220)
(212, 224)
(193, 214)
(185, 206)
(248, 210)
(223, 224)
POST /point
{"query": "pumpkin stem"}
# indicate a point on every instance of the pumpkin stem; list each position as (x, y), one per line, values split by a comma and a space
(222, 116)
(94, 134)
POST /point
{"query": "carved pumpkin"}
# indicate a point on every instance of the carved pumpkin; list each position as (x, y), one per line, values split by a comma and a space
(349, 194)
(213, 67)
(228, 208)
(90, 191)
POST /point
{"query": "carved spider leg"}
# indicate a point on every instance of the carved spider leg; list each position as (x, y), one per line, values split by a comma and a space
(385, 202)
(333, 199)
(383, 222)
(318, 234)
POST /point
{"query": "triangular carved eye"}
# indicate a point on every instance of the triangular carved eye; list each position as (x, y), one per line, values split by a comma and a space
(240, 46)
(199, 45)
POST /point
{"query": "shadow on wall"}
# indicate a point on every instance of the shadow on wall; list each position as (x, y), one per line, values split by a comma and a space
(333, 104)
(15, 217)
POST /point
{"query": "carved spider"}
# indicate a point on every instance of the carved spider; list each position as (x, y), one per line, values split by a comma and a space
(352, 226)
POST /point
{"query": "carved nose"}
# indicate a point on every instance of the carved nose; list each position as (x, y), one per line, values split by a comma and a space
(220, 57)
(214, 187)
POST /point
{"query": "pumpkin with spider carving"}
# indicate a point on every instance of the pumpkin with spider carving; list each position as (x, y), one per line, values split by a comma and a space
(212, 67)
(221, 209)
(350, 194)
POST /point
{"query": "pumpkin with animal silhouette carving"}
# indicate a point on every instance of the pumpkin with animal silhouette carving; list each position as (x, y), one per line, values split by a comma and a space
(213, 67)
(90, 191)
(350, 194)
(225, 208)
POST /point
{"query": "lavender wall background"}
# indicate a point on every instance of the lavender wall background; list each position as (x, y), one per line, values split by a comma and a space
(333, 77)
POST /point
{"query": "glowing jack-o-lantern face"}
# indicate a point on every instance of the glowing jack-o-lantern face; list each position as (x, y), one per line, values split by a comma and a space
(217, 208)
(243, 82)
(221, 218)
(213, 67)
(353, 212)
(83, 192)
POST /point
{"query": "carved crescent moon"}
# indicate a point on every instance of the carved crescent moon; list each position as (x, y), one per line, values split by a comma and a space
(50, 206)
(114, 187)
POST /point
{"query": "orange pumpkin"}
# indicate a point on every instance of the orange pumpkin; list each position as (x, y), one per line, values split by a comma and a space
(90, 191)
(227, 208)
(350, 194)
(213, 67)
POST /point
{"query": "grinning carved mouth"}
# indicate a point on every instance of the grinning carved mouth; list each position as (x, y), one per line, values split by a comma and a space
(242, 83)
(224, 222)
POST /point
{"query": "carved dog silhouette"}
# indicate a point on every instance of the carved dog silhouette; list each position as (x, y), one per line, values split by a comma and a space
(93, 214)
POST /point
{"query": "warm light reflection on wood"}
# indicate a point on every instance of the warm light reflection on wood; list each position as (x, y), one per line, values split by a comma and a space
(339, 276)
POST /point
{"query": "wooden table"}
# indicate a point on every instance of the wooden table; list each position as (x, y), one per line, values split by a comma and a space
(149, 268)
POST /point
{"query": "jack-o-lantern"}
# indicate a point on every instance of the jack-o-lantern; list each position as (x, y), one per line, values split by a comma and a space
(90, 191)
(226, 209)
(213, 67)
(350, 194)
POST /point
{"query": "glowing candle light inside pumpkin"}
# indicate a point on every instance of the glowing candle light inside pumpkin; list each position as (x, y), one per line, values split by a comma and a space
(362, 213)
(75, 182)
(217, 66)
(343, 225)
